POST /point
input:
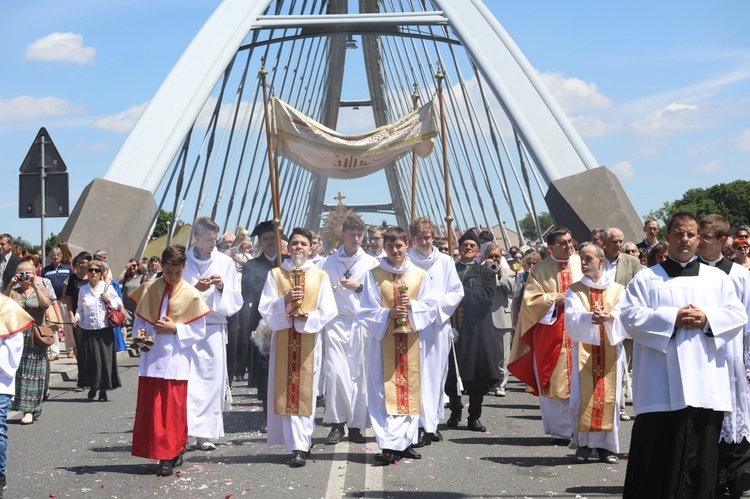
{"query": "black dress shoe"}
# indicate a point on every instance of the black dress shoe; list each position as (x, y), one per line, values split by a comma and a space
(437, 436)
(336, 434)
(476, 425)
(102, 396)
(560, 441)
(410, 453)
(452, 421)
(298, 459)
(423, 438)
(177, 462)
(355, 435)
(164, 468)
(91, 394)
(388, 456)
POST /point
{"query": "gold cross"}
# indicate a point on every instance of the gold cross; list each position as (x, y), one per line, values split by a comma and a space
(339, 198)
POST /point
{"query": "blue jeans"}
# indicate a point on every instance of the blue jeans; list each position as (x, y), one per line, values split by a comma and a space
(4, 404)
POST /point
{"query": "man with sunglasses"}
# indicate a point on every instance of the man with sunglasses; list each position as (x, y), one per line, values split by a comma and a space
(541, 355)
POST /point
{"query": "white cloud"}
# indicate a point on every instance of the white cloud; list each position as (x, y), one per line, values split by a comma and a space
(594, 126)
(62, 47)
(710, 167)
(651, 148)
(121, 122)
(27, 108)
(574, 93)
(743, 141)
(672, 120)
(624, 170)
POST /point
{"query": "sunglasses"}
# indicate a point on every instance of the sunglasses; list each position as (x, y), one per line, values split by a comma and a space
(443, 249)
(742, 248)
(94, 271)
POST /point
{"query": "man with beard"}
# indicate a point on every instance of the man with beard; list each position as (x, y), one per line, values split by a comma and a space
(477, 348)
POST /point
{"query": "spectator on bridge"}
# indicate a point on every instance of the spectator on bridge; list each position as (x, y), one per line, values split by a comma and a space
(501, 314)
(740, 247)
(67, 256)
(13, 320)
(26, 289)
(657, 254)
(651, 229)
(97, 362)
(375, 241)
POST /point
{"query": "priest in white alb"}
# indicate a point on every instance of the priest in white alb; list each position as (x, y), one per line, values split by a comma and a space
(435, 340)
(397, 305)
(214, 274)
(681, 315)
(592, 321)
(301, 290)
(343, 360)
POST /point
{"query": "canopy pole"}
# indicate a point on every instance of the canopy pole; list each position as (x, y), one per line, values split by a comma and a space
(273, 173)
(443, 138)
(414, 99)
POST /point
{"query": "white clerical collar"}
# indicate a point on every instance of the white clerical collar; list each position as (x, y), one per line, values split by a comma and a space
(604, 282)
(289, 266)
(385, 265)
(681, 264)
(270, 258)
(344, 258)
(193, 256)
(712, 263)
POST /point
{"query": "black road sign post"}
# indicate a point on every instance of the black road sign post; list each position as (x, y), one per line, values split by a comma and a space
(43, 182)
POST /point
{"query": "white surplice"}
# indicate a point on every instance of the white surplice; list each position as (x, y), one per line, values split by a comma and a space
(343, 359)
(391, 432)
(207, 388)
(295, 432)
(674, 368)
(435, 339)
(581, 330)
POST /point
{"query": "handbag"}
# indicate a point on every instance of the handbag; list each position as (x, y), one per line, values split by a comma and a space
(41, 336)
(115, 317)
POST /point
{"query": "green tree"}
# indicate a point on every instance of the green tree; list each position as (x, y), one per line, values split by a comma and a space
(19, 241)
(529, 229)
(51, 242)
(161, 223)
(731, 201)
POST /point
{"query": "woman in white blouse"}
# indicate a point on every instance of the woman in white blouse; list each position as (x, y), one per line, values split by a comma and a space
(97, 361)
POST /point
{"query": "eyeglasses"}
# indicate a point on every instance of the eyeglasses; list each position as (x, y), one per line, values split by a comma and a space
(742, 248)
(443, 249)
(94, 270)
(707, 237)
(562, 244)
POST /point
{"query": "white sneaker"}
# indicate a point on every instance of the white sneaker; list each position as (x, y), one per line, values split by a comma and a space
(204, 444)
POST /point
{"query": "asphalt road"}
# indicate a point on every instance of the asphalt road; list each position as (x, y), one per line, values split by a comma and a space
(82, 449)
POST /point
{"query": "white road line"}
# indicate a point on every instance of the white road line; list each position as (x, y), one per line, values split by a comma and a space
(373, 474)
(337, 476)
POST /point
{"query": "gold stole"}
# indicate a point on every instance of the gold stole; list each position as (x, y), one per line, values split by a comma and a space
(294, 362)
(14, 318)
(185, 304)
(401, 352)
(597, 364)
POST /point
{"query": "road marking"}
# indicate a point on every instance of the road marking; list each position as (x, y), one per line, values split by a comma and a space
(337, 476)
(373, 474)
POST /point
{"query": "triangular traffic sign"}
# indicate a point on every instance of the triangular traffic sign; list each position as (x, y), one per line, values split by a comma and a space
(52, 159)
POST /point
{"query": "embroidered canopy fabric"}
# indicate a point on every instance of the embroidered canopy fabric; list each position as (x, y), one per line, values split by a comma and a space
(326, 152)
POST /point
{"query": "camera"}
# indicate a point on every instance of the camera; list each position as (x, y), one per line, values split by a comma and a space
(494, 266)
(23, 276)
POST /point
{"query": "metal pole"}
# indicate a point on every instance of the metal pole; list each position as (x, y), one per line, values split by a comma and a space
(44, 200)
(414, 99)
(273, 176)
(448, 218)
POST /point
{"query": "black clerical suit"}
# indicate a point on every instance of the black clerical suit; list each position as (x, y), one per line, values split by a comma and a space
(477, 348)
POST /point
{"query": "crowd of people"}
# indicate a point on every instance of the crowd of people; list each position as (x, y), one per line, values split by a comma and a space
(389, 329)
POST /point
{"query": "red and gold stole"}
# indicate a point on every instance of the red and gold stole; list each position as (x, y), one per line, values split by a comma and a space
(566, 354)
(401, 352)
(13, 318)
(185, 303)
(295, 351)
(597, 365)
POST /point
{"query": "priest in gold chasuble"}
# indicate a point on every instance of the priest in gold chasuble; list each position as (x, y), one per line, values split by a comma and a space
(294, 361)
(541, 351)
(397, 289)
(592, 319)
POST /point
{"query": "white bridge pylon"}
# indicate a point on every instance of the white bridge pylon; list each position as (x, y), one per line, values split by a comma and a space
(548, 143)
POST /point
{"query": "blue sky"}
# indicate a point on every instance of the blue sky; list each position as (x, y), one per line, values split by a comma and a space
(660, 91)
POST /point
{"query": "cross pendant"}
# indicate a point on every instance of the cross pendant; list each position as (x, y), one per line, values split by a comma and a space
(347, 274)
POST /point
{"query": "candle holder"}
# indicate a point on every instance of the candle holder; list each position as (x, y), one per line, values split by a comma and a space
(297, 274)
(402, 323)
